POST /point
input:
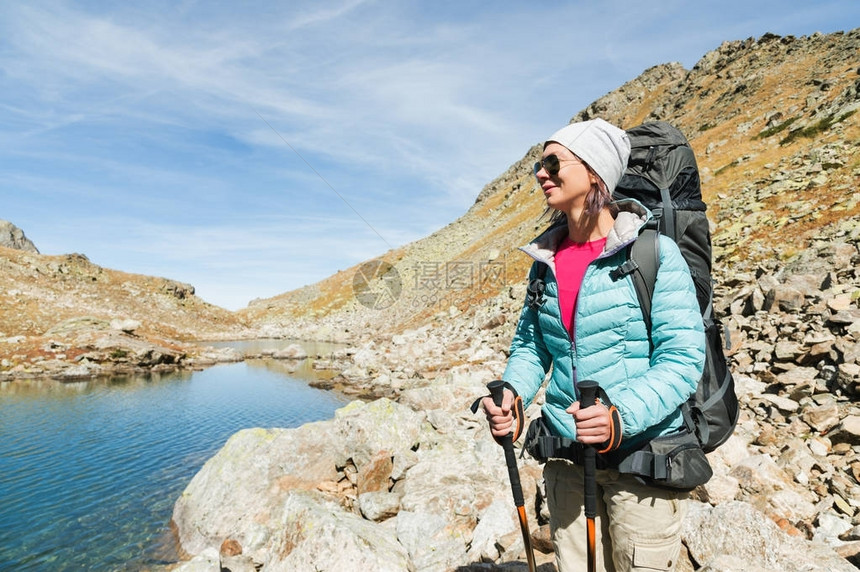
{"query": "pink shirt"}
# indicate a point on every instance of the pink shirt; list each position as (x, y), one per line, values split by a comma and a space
(571, 260)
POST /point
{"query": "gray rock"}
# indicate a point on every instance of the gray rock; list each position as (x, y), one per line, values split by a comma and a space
(210, 356)
(379, 505)
(496, 521)
(784, 298)
(782, 403)
(13, 237)
(292, 351)
(787, 351)
(178, 290)
(83, 370)
(830, 527)
(735, 529)
(127, 325)
(207, 561)
(730, 563)
(850, 350)
(251, 474)
(798, 376)
(772, 485)
(318, 534)
(848, 431)
(848, 375)
(364, 429)
(846, 317)
(432, 541)
(822, 418)
(241, 492)
(238, 563)
(721, 489)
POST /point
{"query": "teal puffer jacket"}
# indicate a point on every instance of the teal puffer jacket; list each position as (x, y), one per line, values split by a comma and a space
(610, 344)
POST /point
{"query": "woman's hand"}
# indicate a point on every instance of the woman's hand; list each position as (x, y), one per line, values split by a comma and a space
(593, 424)
(501, 419)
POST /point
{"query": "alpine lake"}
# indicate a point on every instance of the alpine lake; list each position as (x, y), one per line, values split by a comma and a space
(89, 471)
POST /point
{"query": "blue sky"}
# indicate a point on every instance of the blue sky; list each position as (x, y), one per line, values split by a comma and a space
(251, 148)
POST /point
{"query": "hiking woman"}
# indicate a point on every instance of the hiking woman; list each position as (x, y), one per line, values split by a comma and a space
(590, 326)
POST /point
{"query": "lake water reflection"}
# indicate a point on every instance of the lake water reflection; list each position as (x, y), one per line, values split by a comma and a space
(89, 471)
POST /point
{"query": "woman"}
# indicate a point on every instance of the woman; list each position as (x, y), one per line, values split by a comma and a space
(591, 327)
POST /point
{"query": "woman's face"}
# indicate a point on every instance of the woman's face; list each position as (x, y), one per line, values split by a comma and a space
(568, 188)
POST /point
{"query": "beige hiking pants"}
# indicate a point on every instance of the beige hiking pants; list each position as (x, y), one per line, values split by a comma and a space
(638, 528)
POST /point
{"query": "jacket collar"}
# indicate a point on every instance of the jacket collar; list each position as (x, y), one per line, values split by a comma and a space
(632, 215)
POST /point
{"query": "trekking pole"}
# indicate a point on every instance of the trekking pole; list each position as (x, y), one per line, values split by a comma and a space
(497, 389)
(588, 396)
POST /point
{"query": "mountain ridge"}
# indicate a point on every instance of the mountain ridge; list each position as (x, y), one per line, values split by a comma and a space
(751, 108)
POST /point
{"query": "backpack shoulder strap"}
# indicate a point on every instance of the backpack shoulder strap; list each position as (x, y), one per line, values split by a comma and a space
(645, 252)
(643, 262)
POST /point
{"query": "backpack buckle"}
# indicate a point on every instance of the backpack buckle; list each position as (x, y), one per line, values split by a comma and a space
(629, 267)
(534, 297)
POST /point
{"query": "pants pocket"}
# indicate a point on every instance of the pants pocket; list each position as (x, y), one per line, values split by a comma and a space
(656, 554)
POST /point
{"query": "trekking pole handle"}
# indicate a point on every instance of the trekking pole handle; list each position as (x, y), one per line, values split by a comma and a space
(587, 397)
(587, 393)
(497, 391)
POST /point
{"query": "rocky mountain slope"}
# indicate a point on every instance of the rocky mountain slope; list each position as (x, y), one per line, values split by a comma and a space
(773, 122)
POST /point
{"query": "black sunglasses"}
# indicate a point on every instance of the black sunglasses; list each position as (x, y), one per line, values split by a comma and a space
(551, 163)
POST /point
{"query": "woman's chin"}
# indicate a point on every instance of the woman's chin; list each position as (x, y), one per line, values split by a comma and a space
(554, 204)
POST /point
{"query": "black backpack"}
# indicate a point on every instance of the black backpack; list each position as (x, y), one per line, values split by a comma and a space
(662, 175)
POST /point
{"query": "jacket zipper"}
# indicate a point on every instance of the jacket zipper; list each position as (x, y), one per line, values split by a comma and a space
(571, 342)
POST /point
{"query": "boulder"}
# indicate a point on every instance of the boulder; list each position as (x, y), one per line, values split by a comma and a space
(238, 490)
(316, 533)
(719, 538)
(242, 491)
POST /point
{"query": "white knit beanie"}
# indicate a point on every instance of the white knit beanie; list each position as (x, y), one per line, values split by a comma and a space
(603, 146)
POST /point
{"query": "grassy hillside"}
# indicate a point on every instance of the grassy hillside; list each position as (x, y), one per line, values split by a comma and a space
(39, 292)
